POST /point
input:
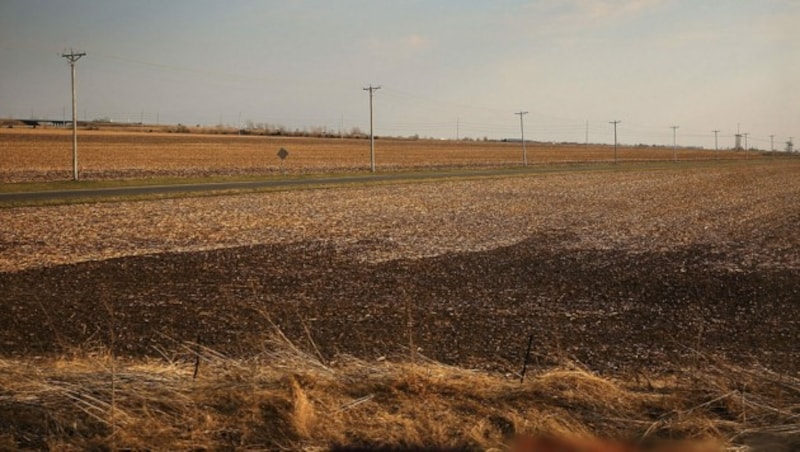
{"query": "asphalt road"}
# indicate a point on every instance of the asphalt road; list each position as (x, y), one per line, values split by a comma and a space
(145, 190)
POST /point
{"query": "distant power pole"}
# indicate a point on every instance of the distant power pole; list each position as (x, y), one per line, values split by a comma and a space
(716, 142)
(615, 139)
(522, 133)
(587, 135)
(371, 90)
(674, 143)
(458, 128)
(746, 148)
(771, 144)
(73, 58)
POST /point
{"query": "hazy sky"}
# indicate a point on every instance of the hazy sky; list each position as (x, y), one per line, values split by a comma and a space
(445, 66)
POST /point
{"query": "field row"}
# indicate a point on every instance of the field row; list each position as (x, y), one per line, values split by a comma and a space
(41, 155)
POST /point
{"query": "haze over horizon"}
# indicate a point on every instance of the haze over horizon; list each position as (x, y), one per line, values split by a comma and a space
(446, 68)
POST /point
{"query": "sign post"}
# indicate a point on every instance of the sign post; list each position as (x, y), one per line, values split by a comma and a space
(282, 154)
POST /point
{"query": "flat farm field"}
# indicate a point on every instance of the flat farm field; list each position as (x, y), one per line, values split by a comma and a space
(46, 154)
(619, 269)
(659, 304)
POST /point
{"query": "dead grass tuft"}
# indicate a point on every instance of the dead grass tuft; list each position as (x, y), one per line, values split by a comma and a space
(288, 399)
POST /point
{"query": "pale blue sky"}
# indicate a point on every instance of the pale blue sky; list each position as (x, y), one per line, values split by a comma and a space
(702, 65)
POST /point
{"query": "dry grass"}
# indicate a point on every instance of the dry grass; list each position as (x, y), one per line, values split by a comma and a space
(287, 399)
(46, 154)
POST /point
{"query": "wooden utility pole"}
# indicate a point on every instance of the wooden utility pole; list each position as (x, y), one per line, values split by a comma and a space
(674, 143)
(615, 139)
(371, 90)
(522, 133)
(73, 58)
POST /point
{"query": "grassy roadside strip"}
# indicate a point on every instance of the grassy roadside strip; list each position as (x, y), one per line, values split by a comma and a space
(172, 185)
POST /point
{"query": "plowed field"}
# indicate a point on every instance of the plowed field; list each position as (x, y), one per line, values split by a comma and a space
(624, 270)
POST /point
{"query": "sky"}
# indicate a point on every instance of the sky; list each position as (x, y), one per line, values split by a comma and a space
(446, 68)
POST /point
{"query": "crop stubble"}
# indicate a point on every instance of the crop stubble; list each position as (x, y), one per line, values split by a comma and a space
(45, 155)
(615, 269)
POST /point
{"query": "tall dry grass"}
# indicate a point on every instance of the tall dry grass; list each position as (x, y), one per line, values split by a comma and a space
(287, 399)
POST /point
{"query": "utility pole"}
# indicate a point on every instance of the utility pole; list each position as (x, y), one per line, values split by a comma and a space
(587, 134)
(371, 90)
(772, 144)
(674, 144)
(615, 139)
(522, 133)
(458, 128)
(746, 148)
(73, 58)
(716, 142)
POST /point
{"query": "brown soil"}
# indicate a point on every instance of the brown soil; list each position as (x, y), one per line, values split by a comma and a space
(614, 311)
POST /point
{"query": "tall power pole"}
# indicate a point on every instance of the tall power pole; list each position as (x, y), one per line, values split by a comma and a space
(716, 142)
(674, 143)
(73, 58)
(522, 133)
(771, 144)
(615, 139)
(371, 90)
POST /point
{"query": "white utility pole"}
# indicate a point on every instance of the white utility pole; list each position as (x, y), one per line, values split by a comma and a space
(716, 142)
(615, 139)
(371, 90)
(522, 133)
(674, 143)
(73, 58)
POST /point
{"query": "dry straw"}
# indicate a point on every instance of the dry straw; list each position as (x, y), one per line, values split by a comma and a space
(288, 399)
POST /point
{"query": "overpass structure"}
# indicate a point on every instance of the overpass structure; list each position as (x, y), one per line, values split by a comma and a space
(59, 123)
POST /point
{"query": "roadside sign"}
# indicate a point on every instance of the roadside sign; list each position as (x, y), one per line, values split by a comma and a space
(283, 153)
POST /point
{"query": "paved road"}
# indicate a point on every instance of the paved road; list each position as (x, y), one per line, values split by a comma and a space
(112, 192)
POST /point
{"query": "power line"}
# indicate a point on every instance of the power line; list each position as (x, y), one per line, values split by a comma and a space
(73, 58)
(371, 90)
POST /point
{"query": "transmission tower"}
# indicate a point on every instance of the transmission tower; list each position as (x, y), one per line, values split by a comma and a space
(716, 142)
(73, 58)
